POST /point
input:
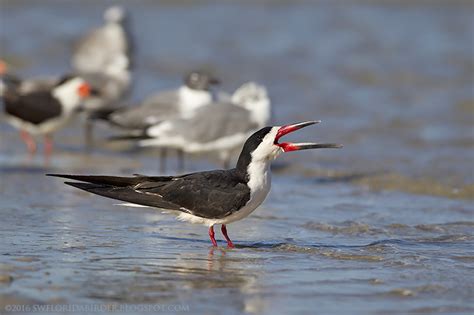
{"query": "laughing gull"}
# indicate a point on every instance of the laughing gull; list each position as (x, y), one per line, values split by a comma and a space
(93, 52)
(211, 197)
(108, 86)
(218, 127)
(44, 112)
(103, 56)
(165, 105)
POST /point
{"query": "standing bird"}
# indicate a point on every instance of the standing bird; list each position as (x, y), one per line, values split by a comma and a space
(212, 197)
(221, 126)
(94, 51)
(166, 105)
(43, 112)
(10, 81)
(103, 57)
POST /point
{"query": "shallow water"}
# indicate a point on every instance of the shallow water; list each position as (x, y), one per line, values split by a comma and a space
(384, 226)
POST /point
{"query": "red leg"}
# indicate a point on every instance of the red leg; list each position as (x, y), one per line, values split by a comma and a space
(211, 235)
(224, 231)
(29, 141)
(48, 146)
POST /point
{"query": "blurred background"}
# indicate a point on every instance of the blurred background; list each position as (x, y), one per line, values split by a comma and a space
(382, 226)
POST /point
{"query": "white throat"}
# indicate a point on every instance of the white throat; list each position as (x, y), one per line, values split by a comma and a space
(258, 170)
(190, 99)
(68, 95)
(259, 177)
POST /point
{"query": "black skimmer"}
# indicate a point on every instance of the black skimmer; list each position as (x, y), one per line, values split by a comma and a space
(220, 127)
(12, 82)
(211, 197)
(45, 111)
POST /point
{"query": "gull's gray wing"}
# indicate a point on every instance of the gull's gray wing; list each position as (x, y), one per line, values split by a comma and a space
(156, 108)
(214, 121)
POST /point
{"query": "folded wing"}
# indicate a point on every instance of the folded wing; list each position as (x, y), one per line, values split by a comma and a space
(214, 194)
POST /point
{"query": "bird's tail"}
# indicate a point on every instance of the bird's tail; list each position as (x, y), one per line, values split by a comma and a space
(119, 181)
(104, 114)
(121, 188)
(130, 137)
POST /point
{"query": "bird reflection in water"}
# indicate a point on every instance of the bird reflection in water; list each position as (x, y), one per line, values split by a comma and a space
(221, 259)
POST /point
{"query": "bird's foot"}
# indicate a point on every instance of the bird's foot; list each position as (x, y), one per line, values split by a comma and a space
(211, 236)
(29, 141)
(227, 238)
(48, 146)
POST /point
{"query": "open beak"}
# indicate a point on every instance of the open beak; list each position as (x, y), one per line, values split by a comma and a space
(84, 90)
(288, 146)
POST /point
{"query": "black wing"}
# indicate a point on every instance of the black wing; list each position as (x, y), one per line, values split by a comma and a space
(214, 194)
(35, 107)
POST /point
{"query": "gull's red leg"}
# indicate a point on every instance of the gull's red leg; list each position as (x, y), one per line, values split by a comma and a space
(224, 231)
(29, 141)
(48, 146)
(211, 235)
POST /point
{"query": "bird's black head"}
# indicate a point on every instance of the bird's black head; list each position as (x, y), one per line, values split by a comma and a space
(200, 80)
(65, 78)
(252, 143)
(263, 145)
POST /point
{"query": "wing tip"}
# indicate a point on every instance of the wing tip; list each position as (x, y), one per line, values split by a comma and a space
(69, 176)
(56, 175)
(84, 186)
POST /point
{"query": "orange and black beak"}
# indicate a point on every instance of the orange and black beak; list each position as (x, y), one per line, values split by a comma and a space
(288, 146)
(84, 90)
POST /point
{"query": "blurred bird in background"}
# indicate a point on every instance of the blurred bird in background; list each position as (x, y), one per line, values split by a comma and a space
(220, 127)
(186, 118)
(162, 106)
(42, 112)
(103, 56)
(13, 82)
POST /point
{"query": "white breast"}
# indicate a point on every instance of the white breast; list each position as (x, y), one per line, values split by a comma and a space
(192, 99)
(259, 188)
(259, 184)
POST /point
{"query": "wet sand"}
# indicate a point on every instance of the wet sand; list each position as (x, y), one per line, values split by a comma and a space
(384, 226)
